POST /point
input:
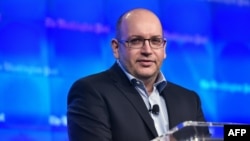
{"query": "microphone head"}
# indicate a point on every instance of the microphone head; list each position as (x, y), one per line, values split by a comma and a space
(155, 109)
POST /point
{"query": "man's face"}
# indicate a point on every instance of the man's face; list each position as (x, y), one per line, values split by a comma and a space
(144, 62)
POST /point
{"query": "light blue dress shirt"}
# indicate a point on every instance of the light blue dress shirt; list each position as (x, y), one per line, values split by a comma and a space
(150, 99)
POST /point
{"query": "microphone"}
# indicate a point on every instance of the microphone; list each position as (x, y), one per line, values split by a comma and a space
(155, 109)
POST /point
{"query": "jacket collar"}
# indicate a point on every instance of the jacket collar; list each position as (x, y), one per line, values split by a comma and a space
(128, 90)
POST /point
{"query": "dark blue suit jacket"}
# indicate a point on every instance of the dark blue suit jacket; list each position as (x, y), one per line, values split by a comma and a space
(107, 107)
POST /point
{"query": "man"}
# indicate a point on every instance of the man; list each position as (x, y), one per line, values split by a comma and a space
(131, 101)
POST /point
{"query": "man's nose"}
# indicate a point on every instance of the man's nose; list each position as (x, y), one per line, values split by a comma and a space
(146, 46)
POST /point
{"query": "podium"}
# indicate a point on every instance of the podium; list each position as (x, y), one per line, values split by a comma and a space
(196, 131)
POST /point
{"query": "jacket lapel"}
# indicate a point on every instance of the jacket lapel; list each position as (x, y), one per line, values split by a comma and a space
(128, 90)
(171, 104)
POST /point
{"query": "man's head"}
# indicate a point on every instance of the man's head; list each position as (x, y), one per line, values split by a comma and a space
(142, 58)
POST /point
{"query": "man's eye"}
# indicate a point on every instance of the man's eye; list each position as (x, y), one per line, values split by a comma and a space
(136, 41)
(156, 40)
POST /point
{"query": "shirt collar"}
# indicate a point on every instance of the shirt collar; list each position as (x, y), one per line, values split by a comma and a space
(160, 83)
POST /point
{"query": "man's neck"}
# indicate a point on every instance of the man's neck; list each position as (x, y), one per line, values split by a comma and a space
(149, 83)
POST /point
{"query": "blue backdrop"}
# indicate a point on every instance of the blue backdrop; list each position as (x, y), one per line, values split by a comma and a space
(45, 45)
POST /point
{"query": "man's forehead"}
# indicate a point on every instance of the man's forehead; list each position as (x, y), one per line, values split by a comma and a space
(127, 15)
(137, 12)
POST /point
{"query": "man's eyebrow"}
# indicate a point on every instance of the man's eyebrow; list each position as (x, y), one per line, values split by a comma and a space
(157, 36)
(140, 36)
(134, 36)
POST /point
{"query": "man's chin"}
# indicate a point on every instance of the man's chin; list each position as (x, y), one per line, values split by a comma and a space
(146, 75)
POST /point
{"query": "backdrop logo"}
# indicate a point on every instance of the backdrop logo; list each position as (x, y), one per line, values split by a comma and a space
(225, 86)
(2, 117)
(195, 39)
(58, 121)
(28, 69)
(97, 28)
(232, 2)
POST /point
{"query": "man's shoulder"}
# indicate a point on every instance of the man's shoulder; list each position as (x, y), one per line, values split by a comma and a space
(176, 86)
(95, 77)
(178, 89)
(113, 71)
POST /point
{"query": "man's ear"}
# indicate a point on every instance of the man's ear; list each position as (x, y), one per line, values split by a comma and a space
(115, 47)
(165, 55)
(165, 51)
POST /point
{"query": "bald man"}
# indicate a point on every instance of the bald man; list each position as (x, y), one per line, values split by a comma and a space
(132, 100)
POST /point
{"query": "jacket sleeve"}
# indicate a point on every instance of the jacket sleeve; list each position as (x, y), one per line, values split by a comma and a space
(200, 114)
(87, 114)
